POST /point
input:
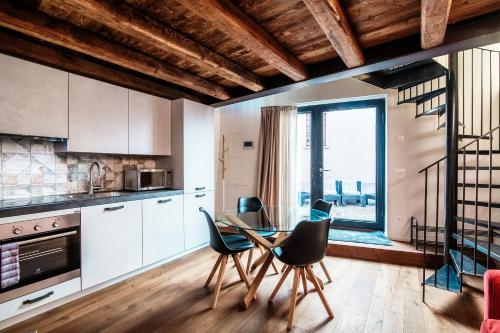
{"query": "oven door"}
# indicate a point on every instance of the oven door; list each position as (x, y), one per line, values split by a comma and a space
(151, 179)
(45, 260)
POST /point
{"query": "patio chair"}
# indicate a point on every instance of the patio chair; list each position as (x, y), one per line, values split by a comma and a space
(332, 194)
(350, 193)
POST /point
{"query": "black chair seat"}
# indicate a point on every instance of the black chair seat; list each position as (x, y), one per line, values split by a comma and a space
(237, 243)
(266, 233)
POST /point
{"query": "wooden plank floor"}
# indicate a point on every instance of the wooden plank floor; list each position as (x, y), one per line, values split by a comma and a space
(365, 297)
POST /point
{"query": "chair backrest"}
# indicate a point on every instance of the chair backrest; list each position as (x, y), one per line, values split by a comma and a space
(307, 243)
(249, 204)
(216, 241)
(322, 205)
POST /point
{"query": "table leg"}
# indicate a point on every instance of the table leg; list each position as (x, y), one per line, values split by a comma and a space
(249, 296)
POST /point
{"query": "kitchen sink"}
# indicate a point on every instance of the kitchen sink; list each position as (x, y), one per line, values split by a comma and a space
(108, 194)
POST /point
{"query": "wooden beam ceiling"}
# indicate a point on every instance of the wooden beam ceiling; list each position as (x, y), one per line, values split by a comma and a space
(234, 22)
(433, 22)
(333, 21)
(66, 60)
(57, 32)
(123, 18)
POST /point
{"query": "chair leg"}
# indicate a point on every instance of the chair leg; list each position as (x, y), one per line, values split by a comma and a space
(240, 270)
(218, 284)
(274, 267)
(304, 282)
(323, 266)
(320, 293)
(280, 283)
(309, 277)
(249, 262)
(283, 268)
(217, 263)
(293, 298)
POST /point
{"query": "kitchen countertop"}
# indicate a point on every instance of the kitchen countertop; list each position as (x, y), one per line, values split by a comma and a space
(14, 207)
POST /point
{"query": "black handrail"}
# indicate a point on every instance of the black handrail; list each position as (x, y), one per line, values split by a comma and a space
(479, 138)
(433, 164)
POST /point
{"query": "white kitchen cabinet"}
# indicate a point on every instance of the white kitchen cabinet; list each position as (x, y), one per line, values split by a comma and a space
(98, 116)
(163, 228)
(111, 241)
(195, 224)
(149, 124)
(33, 99)
(193, 155)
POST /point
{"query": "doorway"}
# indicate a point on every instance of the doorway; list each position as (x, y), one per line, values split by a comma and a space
(341, 159)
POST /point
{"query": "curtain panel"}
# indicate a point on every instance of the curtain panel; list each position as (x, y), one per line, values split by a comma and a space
(276, 178)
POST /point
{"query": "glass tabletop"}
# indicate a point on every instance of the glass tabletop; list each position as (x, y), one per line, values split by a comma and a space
(272, 218)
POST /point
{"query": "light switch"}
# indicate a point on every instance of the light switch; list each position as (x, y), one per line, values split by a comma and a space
(400, 138)
(400, 172)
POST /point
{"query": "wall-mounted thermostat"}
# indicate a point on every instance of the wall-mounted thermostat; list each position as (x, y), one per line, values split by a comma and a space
(247, 144)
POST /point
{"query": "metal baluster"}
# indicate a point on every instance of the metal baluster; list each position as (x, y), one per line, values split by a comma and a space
(481, 89)
(437, 225)
(489, 203)
(463, 220)
(472, 93)
(463, 90)
(432, 89)
(476, 187)
(425, 236)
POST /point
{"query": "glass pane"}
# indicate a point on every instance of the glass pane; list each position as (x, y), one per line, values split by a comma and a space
(303, 163)
(349, 163)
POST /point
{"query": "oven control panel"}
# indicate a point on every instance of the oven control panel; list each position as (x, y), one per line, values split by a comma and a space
(30, 227)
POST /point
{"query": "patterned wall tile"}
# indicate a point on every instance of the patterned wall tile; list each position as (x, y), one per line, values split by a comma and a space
(30, 168)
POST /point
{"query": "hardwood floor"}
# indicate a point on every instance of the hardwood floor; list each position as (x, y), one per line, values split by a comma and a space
(365, 297)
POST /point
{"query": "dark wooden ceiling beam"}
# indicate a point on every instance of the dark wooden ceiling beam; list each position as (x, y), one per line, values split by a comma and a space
(235, 23)
(333, 21)
(122, 17)
(434, 20)
(43, 27)
(65, 60)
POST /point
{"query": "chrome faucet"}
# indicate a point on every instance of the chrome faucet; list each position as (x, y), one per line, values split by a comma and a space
(93, 187)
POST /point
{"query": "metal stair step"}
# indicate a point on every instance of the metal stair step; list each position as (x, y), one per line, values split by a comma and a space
(468, 264)
(461, 167)
(439, 110)
(422, 98)
(479, 203)
(479, 185)
(481, 152)
(481, 223)
(443, 125)
(446, 279)
(480, 246)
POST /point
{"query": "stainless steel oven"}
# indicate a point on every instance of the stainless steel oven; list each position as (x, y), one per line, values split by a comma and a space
(48, 253)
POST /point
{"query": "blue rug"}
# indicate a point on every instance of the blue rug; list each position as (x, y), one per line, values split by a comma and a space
(366, 237)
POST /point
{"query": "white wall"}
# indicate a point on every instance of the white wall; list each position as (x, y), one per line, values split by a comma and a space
(422, 145)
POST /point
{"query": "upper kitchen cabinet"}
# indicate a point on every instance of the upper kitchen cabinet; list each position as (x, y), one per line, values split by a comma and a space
(193, 154)
(149, 124)
(98, 117)
(33, 99)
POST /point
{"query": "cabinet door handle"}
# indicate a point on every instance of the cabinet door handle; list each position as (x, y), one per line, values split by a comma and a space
(199, 195)
(110, 209)
(38, 299)
(199, 188)
(164, 201)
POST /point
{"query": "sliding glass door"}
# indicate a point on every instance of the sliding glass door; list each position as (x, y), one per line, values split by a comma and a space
(340, 154)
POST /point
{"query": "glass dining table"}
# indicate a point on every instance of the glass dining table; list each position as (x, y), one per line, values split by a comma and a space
(279, 219)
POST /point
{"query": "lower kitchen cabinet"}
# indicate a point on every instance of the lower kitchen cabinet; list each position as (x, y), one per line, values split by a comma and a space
(195, 224)
(163, 228)
(111, 241)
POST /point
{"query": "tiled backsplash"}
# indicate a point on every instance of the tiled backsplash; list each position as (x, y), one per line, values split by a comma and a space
(30, 168)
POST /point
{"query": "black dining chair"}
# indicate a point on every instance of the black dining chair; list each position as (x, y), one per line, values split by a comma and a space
(326, 207)
(305, 246)
(254, 204)
(225, 245)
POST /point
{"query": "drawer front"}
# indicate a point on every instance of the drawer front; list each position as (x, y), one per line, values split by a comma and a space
(163, 228)
(19, 305)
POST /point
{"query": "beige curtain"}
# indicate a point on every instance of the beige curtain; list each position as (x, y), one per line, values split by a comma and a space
(276, 180)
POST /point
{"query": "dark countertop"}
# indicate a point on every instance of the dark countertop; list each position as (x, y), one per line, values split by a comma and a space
(16, 207)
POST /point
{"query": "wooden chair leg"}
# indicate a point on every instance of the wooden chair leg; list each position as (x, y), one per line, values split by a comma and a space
(325, 270)
(309, 277)
(283, 268)
(249, 262)
(274, 267)
(304, 282)
(280, 283)
(219, 282)
(320, 293)
(217, 263)
(240, 270)
(293, 298)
